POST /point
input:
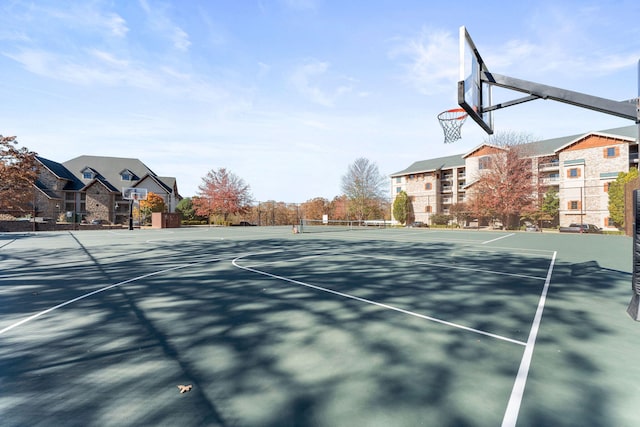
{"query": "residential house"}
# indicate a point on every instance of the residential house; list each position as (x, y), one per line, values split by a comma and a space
(90, 188)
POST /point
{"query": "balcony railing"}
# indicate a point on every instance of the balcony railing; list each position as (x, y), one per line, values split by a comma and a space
(551, 180)
(549, 165)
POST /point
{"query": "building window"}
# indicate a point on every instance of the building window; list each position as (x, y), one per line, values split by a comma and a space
(398, 180)
(611, 152)
(427, 186)
(606, 187)
(573, 173)
(126, 176)
(484, 162)
(574, 205)
(398, 189)
(427, 209)
(608, 222)
(87, 175)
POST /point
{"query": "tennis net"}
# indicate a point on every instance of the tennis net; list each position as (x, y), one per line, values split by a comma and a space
(325, 226)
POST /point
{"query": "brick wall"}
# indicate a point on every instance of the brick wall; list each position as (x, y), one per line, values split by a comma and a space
(28, 226)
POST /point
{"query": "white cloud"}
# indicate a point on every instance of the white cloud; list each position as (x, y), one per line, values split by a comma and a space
(160, 21)
(308, 79)
(180, 39)
(430, 60)
(117, 25)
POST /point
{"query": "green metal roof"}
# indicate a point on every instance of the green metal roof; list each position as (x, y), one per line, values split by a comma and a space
(433, 165)
(545, 147)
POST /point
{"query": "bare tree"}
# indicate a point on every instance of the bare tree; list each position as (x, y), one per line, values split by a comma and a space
(222, 193)
(18, 174)
(506, 186)
(365, 187)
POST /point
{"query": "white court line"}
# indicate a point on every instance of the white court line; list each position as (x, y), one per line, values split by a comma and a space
(106, 288)
(389, 307)
(498, 238)
(513, 408)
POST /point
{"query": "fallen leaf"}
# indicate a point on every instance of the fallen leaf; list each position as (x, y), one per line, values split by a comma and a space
(185, 388)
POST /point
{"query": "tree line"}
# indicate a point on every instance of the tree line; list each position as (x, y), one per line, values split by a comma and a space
(507, 189)
(225, 198)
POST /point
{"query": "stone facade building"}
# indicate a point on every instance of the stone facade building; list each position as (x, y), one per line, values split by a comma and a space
(580, 167)
(89, 188)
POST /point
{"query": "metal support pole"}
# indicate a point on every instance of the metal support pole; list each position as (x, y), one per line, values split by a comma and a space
(130, 214)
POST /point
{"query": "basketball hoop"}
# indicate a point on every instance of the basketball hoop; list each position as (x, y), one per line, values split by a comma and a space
(451, 122)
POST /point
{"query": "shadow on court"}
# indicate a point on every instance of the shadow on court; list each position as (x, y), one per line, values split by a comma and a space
(318, 332)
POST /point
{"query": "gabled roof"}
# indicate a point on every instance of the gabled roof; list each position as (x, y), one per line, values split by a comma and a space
(432, 165)
(59, 171)
(547, 147)
(171, 182)
(156, 179)
(104, 182)
(134, 177)
(108, 169)
(90, 169)
(479, 147)
(603, 134)
(46, 191)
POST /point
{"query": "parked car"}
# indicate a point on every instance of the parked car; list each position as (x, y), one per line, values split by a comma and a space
(418, 224)
(532, 227)
(245, 224)
(581, 228)
(99, 221)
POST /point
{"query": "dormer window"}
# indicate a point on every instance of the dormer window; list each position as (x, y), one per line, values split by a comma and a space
(127, 175)
(88, 173)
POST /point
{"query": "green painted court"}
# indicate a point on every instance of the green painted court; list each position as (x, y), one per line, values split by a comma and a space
(380, 327)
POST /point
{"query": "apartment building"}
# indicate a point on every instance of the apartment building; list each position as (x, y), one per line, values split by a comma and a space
(580, 167)
(89, 188)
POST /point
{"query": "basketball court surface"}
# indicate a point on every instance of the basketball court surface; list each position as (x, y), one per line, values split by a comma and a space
(383, 327)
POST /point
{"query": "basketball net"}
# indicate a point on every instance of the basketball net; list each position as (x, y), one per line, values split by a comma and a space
(451, 122)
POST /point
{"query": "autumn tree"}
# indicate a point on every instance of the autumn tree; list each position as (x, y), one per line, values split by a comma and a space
(222, 193)
(338, 208)
(505, 186)
(365, 188)
(460, 213)
(153, 203)
(315, 208)
(18, 173)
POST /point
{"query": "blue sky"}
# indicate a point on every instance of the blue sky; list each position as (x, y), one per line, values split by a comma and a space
(287, 93)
